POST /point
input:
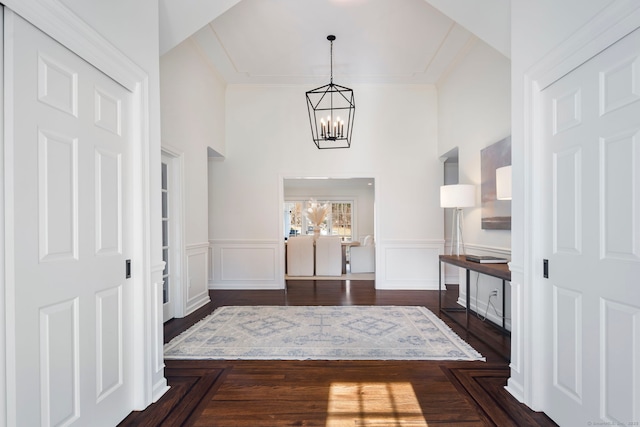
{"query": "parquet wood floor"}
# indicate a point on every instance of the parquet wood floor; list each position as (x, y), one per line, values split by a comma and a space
(340, 393)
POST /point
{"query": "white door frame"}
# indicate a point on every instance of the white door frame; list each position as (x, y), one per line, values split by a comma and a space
(280, 271)
(3, 336)
(178, 288)
(612, 24)
(146, 361)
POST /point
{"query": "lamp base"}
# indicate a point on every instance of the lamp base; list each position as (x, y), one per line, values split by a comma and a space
(457, 241)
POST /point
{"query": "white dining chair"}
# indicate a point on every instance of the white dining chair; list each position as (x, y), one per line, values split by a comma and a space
(329, 256)
(300, 256)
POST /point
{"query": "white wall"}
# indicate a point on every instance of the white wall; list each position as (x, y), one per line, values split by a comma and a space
(269, 139)
(193, 100)
(474, 112)
(192, 120)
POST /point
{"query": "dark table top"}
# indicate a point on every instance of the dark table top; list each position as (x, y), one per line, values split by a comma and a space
(501, 271)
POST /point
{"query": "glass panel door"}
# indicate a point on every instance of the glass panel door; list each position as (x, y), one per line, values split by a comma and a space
(166, 241)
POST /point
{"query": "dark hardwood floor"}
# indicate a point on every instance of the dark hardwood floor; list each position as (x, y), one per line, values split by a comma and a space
(340, 393)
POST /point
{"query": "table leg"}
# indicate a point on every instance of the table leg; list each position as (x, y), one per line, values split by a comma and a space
(504, 314)
(439, 287)
(468, 298)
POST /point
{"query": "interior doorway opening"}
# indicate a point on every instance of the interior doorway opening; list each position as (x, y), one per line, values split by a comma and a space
(350, 214)
(172, 226)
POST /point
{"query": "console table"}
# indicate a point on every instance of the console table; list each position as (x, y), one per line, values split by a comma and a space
(501, 271)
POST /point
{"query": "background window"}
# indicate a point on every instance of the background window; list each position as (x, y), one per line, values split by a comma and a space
(339, 222)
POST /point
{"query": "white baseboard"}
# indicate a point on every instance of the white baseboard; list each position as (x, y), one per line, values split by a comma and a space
(245, 286)
(515, 389)
(482, 308)
(159, 389)
(197, 302)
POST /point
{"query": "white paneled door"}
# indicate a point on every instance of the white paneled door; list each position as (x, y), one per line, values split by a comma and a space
(70, 141)
(591, 148)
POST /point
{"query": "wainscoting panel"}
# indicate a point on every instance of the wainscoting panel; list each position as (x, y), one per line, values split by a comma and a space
(234, 259)
(239, 264)
(197, 291)
(485, 284)
(408, 264)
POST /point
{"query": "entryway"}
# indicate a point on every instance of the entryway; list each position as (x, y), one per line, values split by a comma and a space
(172, 234)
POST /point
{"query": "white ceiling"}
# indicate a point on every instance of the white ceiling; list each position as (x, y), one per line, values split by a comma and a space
(378, 41)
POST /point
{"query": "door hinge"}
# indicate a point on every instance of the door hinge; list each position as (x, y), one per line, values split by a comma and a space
(127, 269)
(545, 268)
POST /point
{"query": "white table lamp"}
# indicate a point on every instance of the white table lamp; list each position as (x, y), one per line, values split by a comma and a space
(457, 196)
(503, 183)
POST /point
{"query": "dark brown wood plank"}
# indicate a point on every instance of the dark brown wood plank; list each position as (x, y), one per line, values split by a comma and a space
(322, 393)
(177, 405)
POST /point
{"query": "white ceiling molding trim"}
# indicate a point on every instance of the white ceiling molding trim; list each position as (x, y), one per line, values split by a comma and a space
(489, 20)
(283, 42)
(180, 19)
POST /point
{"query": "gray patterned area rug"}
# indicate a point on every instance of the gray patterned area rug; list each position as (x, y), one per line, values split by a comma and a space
(320, 333)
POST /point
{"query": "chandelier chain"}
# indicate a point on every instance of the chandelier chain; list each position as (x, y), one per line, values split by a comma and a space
(331, 54)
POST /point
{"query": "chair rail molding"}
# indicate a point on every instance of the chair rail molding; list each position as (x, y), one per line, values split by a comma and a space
(488, 250)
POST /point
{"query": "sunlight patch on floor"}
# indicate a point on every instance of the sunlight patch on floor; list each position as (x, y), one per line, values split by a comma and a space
(373, 404)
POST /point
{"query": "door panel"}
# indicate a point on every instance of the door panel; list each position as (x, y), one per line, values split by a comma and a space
(168, 244)
(592, 211)
(71, 144)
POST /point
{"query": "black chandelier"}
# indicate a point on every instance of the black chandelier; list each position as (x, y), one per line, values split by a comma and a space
(331, 112)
